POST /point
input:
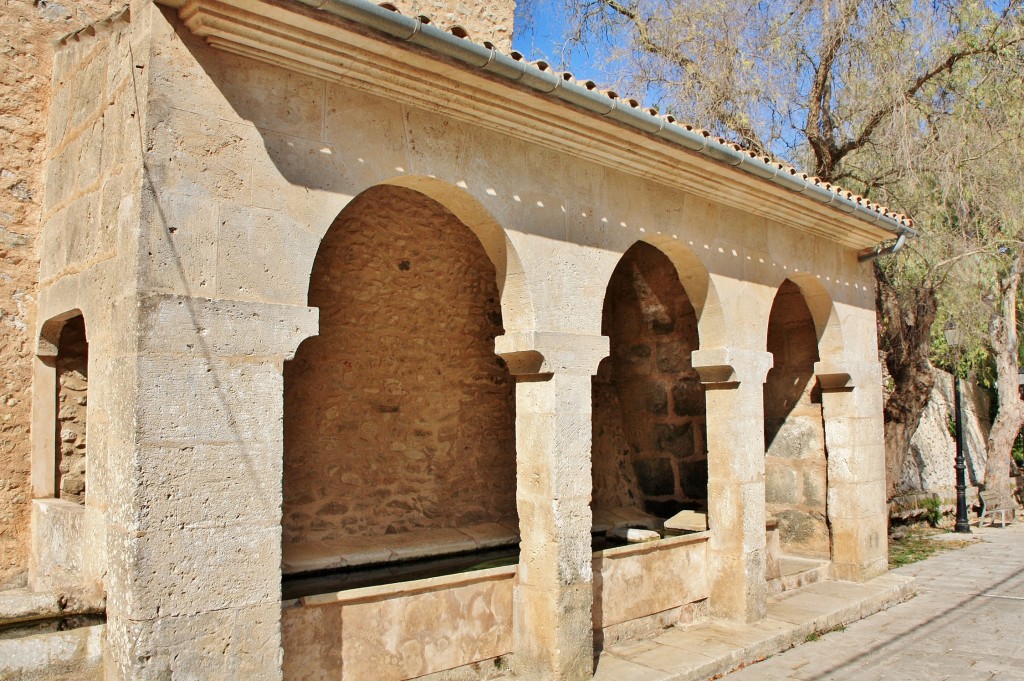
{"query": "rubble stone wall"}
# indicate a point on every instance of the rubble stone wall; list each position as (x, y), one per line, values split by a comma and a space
(928, 468)
(72, 399)
(483, 20)
(649, 444)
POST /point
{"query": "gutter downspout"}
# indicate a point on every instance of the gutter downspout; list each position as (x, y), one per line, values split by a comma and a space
(542, 79)
(879, 250)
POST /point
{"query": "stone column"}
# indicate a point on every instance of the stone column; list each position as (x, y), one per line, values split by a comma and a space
(734, 384)
(195, 536)
(552, 624)
(851, 398)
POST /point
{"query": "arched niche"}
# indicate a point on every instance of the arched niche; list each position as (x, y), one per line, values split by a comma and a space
(60, 406)
(399, 425)
(649, 437)
(796, 469)
(821, 307)
(699, 285)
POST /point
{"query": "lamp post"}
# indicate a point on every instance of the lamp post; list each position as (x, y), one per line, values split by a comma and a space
(1020, 389)
(954, 339)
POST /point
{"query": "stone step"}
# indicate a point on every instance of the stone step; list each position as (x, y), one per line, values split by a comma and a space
(707, 651)
(798, 572)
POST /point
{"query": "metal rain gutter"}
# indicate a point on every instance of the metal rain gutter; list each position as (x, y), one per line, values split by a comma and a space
(879, 251)
(605, 103)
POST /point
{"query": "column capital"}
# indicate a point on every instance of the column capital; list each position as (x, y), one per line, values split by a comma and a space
(728, 367)
(540, 353)
(845, 376)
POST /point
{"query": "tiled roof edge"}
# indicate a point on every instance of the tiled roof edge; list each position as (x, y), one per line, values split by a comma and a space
(585, 94)
(123, 14)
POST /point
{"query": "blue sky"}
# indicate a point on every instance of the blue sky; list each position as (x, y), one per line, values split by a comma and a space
(538, 37)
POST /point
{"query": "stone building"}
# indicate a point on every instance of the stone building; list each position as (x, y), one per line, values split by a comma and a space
(330, 298)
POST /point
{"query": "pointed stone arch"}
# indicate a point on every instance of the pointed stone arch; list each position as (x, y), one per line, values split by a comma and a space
(796, 465)
(699, 286)
(649, 450)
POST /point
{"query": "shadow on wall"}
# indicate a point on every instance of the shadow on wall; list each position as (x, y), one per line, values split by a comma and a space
(795, 462)
(326, 143)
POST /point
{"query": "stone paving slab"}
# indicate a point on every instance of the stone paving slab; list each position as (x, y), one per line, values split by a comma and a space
(966, 624)
(706, 651)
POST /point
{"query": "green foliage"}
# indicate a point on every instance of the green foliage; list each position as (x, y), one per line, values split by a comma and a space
(911, 549)
(915, 105)
(916, 544)
(974, 363)
(932, 510)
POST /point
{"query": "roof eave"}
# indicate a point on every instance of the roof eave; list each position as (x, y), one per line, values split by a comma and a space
(223, 25)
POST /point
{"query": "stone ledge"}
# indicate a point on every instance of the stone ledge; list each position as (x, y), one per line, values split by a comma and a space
(707, 651)
(383, 592)
(73, 655)
(359, 551)
(665, 544)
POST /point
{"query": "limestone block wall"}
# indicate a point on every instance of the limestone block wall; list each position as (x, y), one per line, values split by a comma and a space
(795, 465)
(89, 213)
(28, 37)
(928, 467)
(247, 167)
(649, 445)
(403, 631)
(398, 415)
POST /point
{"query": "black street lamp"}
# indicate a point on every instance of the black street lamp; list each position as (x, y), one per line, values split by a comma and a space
(954, 339)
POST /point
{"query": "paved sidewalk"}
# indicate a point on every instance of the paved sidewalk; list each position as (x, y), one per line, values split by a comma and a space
(702, 652)
(966, 624)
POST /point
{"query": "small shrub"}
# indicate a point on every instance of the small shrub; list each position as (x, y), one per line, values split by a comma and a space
(932, 510)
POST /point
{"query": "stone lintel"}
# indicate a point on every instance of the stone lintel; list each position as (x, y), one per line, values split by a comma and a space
(832, 376)
(543, 353)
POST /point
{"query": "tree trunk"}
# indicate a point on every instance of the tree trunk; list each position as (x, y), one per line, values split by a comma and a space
(905, 332)
(1010, 415)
